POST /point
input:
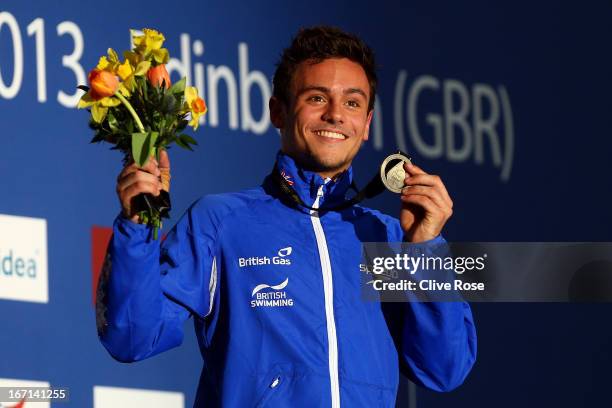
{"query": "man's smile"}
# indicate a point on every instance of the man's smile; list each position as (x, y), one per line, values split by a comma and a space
(331, 135)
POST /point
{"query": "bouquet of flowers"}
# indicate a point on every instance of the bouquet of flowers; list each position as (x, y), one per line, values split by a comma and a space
(135, 108)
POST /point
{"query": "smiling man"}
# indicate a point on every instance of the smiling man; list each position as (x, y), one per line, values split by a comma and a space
(325, 117)
(271, 274)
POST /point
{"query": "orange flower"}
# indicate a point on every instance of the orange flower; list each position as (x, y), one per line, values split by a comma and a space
(194, 105)
(198, 106)
(103, 83)
(158, 75)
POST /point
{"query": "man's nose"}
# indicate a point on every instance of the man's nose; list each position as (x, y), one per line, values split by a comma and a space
(333, 113)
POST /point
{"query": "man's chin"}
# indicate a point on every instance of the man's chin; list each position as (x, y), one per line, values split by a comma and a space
(329, 167)
(319, 164)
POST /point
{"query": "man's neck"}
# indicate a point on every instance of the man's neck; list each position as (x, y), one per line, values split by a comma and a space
(333, 175)
(324, 174)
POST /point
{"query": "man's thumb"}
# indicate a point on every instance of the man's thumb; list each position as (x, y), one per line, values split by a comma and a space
(164, 160)
(164, 169)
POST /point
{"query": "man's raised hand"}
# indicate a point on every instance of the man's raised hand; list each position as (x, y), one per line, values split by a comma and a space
(134, 180)
(426, 205)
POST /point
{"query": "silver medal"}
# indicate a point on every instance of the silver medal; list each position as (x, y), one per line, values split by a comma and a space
(392, 172)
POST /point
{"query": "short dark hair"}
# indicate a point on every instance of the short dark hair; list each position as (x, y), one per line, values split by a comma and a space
(317, 44)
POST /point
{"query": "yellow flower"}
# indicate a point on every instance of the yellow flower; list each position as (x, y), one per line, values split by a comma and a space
(125, 70)
(150, 39)
(132, 66)
(134, 57)
(99, 107)
(127, 74)
(110, 62)
(195, 105)
(149, 44)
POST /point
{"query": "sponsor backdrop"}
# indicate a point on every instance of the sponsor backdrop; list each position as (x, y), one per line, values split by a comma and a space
(508, 101)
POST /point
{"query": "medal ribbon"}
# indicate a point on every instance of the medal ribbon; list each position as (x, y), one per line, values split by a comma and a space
(372, 189)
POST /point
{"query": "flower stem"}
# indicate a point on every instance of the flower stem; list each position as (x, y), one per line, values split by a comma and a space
(129, 107)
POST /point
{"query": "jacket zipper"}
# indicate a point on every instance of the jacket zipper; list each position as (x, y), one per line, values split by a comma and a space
(270, 390)
(329, 301)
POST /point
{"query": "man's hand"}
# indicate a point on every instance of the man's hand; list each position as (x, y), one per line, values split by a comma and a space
(426, 205)
(151, 178)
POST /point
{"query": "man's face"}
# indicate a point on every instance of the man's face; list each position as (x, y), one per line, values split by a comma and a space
(327, 119)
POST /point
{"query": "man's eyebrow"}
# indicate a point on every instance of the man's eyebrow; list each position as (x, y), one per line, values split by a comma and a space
(327, 90)
(312, 88)
(357, 91)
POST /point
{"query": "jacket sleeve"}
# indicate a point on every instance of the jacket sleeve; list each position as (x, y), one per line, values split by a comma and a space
(147, 290)
(436, 341)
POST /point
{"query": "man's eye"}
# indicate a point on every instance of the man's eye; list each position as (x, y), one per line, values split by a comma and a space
(353, 104)
(316, 98)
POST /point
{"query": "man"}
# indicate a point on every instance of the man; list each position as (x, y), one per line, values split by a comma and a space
(273, 283)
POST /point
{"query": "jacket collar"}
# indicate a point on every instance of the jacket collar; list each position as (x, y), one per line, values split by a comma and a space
(307, 183)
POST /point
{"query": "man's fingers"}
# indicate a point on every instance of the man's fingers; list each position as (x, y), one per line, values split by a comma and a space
(140, 187)
(134, 178)
(431, 181)
(430, 192)
(416, 175)
(413, 169)
(127, 170)
(150, 167)
(423, 179)
(427, 203)
(422, 201)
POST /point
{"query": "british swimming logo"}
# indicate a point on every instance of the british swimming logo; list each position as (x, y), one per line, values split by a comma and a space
(264, 295)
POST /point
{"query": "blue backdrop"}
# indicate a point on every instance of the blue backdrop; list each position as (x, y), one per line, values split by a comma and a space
(508, 101)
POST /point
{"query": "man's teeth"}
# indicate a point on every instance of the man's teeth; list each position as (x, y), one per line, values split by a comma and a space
(332, 135)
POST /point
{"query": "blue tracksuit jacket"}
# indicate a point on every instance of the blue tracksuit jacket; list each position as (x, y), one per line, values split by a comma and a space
(276, 299)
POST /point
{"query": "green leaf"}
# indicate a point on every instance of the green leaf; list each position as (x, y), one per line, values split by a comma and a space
(178, 87)
(182, 124)
(112, 122)
(168, 103)
(97, 139)
(182, 144)
(188, 139)
(138, 145)
(143, 145)
(154, 137)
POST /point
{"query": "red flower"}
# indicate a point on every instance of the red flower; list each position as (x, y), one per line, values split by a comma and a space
(103, 83)
(158, 75)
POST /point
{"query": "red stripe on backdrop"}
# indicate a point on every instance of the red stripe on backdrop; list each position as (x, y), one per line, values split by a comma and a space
(100, 236)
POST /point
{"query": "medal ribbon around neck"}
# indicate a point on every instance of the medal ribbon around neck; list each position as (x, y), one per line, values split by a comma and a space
(391, 176)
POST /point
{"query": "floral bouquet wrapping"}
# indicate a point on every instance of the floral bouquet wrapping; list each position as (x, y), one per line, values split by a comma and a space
(134, 107)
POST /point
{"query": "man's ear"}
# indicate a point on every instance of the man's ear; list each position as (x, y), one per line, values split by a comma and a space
(367, 127)
(278, 112)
